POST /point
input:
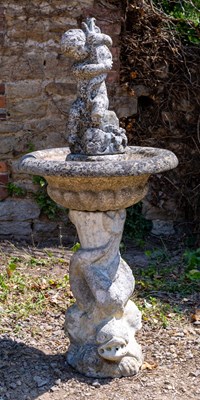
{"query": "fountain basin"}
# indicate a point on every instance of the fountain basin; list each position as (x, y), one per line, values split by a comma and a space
(98, 183)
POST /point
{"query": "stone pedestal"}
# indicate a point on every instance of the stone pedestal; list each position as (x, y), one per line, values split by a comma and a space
(101, 325)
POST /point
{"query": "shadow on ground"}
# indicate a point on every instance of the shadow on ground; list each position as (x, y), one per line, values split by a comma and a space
(26, 372)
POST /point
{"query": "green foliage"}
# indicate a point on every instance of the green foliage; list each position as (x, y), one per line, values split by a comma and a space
(39, 180)
(160, 284)
(14, 190)
(187, 14)
(76, 247)
(136, 226)
(192, 260)
(162, 276)
(46, 204)
(31, 147)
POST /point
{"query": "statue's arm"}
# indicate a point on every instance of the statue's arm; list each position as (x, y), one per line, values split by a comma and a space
(92, 70)
(98, 39)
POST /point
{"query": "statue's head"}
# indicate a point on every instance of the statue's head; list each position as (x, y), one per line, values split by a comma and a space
(73, 44)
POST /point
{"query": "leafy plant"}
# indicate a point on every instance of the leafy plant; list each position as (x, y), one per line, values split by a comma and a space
(31, 147)
(76, 247)
(136, 226)
(14, 190)
(39, 180)
(46, 204)
(186, 17)
(192, 260)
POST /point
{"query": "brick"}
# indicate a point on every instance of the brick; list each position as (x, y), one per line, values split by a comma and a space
(2, 102)
(3, 178)
(3, 192)
(2, 88)
(3, 167)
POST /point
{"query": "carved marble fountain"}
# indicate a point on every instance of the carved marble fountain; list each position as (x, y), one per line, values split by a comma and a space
(96, 178)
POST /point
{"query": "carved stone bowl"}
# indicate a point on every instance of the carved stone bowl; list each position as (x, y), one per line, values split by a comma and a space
(98, 183)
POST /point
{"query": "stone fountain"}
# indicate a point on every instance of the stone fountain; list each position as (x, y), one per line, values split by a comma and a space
(96, 178)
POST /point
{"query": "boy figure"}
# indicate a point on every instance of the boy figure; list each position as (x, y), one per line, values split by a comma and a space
(92, 128)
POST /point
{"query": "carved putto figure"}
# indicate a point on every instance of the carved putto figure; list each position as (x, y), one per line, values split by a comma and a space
(92, 128)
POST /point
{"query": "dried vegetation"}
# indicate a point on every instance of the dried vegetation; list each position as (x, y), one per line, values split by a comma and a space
(162, 68)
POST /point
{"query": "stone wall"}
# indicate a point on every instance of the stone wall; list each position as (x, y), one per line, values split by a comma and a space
(36, 91)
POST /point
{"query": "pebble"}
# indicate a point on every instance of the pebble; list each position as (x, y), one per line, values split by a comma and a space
(168, 387)
(54, 388)
(96, 384)
(189, 355)
(13, 385)
(195, 373)
(40, 381)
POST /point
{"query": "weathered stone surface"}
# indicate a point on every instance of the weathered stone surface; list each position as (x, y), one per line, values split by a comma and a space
(18, 210)
(102, 323)
(10, 142)
(164, 212)
(163, 228)
(136, 161)
(10, 127)
(124, 104)
(15, 229)
(40, 226)
(90, 130)
(24, 89)
(29, 108)
(60, 88)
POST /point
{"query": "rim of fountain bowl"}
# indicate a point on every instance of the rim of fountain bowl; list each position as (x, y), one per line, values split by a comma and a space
(153, 160)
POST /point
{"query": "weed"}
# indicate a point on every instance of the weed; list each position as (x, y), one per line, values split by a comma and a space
(31, 147)
(192, 260)
(160, 284)
(76, 247)
(14, 190)
(46, 204)
(37, 261)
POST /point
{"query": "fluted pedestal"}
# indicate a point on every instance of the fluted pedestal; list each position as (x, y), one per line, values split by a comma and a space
(102, 323)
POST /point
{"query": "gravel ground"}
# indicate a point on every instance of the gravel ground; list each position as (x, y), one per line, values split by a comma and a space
(33, 366)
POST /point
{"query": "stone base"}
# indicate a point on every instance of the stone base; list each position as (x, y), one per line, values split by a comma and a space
(87, 361)
(107, 348)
